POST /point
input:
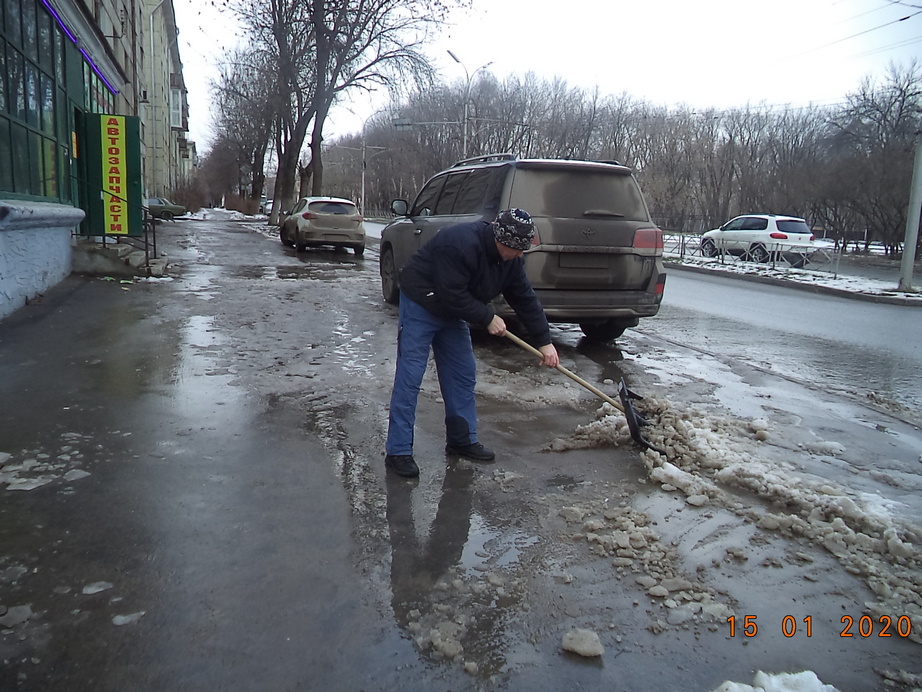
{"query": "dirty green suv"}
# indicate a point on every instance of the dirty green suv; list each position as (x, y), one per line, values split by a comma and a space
(597, 259)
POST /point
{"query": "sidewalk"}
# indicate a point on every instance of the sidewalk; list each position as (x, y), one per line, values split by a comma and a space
(847, 283)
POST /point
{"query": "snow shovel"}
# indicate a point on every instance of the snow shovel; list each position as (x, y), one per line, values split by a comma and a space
(634, 420)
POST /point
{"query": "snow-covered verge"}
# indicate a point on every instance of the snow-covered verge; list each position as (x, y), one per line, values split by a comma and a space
(224, 215)
(806, 277)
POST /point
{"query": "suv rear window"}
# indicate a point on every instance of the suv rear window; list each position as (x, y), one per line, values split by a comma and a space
(571, 193)
(791, 226)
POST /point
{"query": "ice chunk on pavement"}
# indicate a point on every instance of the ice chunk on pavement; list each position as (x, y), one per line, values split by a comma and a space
(583, 642)
(825, 448)
(120, 620)
(96, 587)
(29, 483)
(572, 514)
(75, 475)
(805, 681)
(16, 615)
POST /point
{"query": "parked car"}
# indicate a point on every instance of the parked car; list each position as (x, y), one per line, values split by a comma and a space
(597, 256)
(162, 208)
(318, 221)
(760, 238)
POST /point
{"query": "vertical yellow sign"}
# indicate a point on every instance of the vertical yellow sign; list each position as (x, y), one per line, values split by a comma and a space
(115, 174)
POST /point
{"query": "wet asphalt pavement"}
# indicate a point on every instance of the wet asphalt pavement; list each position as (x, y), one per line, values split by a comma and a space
(201, 511)
(196, 500)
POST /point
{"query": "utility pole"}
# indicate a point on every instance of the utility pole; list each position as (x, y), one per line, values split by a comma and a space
(912, 221)
(467, 98)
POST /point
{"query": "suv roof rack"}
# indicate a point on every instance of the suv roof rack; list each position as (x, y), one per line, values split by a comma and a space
(610, 161)
(488, 158)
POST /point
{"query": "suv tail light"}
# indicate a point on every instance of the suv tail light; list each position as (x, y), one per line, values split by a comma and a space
(778, 236)
(535, 239)
(648, 239)
(309, 215)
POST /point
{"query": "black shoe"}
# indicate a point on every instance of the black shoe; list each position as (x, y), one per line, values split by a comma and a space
(402, 465)
(476, 451)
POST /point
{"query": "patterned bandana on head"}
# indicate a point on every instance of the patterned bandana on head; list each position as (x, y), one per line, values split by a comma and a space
(514, 228)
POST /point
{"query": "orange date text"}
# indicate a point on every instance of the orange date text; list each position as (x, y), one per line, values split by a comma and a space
(861, 627)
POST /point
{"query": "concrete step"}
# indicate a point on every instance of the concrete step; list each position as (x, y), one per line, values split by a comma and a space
(113, 259)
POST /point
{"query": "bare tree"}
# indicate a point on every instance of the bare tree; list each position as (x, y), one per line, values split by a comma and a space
(279, 32)
(219, 174)
(697, 169)
(361, 44)
(244, 97)
(875, 134)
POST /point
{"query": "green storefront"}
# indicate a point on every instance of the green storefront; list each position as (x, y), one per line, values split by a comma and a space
(49, 80)
(45, 80)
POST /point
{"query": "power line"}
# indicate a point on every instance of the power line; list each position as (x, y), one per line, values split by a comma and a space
(892, 46)
(848, 38)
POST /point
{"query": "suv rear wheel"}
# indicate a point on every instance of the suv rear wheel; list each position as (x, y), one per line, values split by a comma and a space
(603, 331)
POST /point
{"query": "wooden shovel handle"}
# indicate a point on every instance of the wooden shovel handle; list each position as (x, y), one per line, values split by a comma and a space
(576, 378)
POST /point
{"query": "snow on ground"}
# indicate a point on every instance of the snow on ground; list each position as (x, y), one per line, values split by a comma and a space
(805, 681)
(818, 279)
(711, 455)
(224, 215)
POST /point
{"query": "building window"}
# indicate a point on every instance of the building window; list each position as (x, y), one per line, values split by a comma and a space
(29, 54)
(49, 167)
(3, 88)
(13, 22)
(35, 109)
(6, 154)
(29, 32)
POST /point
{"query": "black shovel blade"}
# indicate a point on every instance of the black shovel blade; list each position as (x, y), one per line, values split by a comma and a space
(634, 420)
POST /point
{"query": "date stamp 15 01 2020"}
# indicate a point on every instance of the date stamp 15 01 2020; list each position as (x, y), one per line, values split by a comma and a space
(862, 627)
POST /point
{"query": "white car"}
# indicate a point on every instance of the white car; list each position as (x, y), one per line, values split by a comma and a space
(317, 221)
(760, 238)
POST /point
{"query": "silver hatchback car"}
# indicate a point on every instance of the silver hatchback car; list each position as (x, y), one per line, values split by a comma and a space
(319, 221)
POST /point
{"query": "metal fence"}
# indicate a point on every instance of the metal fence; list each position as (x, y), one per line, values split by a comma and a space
(821, 258)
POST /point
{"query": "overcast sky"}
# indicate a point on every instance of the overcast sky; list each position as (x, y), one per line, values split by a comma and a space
(704, 53)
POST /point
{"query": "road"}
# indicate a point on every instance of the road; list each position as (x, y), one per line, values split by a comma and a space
(195, 498)
(835, 343)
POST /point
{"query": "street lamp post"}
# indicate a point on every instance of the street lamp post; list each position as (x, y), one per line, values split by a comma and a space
(467, 98)
(365, 157)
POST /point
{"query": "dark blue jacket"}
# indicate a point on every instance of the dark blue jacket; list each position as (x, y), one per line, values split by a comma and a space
(459, 271)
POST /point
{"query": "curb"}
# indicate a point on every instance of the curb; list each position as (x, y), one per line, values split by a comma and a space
(787, 283)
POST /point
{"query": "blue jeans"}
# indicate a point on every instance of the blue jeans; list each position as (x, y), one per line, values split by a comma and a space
(450, 340)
